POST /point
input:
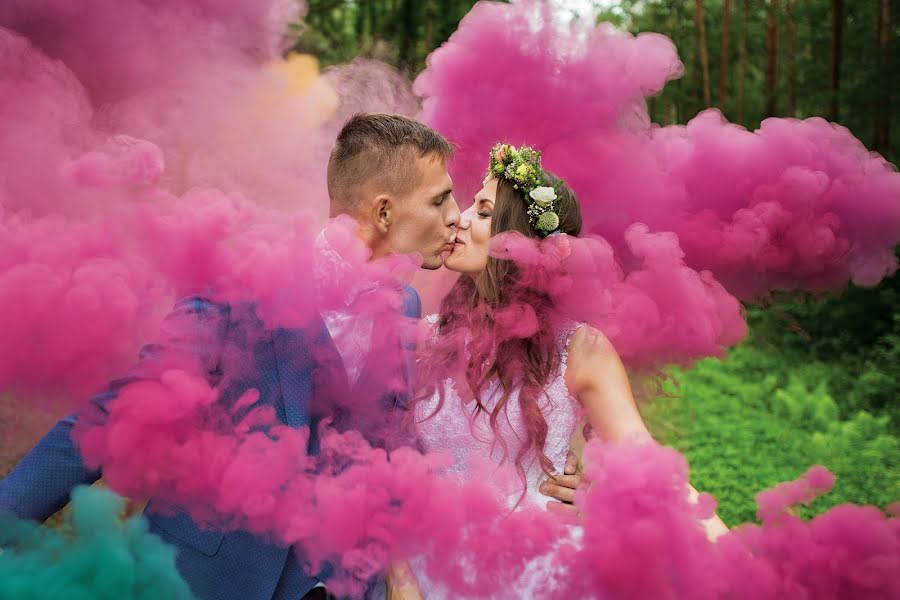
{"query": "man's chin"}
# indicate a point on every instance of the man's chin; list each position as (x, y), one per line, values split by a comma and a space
(433, 264)
(450, 264)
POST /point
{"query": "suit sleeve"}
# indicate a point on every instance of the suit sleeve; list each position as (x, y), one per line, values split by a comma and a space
(190, 339)
(412, 303)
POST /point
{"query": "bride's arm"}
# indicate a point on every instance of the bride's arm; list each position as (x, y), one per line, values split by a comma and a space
(597, 377)
(402, 583)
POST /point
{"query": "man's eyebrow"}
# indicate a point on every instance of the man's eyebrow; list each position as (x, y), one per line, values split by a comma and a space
(446, 192)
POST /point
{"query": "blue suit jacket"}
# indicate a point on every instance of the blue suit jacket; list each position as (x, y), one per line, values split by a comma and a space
(284, 364)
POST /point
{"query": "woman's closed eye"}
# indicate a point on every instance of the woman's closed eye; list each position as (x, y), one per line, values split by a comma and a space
(485, 208)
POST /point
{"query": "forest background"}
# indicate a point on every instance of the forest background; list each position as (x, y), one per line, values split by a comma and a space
(818, 379)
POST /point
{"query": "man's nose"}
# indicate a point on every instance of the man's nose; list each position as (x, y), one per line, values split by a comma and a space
(453, 217)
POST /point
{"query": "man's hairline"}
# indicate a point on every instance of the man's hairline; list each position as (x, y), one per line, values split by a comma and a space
(430, 154)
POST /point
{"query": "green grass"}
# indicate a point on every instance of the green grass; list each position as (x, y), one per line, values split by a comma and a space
(752, 420)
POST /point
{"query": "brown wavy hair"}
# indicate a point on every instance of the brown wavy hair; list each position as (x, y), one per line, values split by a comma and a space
(468, 328)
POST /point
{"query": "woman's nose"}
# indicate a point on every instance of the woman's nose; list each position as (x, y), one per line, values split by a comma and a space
(465, 219)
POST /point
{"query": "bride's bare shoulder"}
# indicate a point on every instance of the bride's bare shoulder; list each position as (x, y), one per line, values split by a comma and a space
(591, 355)
(589, 341)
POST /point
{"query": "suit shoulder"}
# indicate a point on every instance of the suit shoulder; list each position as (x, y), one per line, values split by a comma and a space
(202, 306)
(412, 304)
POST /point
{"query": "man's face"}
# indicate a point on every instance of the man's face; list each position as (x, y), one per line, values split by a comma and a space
(425, 221)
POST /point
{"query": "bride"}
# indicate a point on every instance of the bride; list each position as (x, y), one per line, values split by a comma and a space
(510, 403)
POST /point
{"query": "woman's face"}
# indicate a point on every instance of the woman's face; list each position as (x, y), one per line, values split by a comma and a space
(470, 251)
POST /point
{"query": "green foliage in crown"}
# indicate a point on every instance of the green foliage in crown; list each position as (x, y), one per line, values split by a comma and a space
(522, 168)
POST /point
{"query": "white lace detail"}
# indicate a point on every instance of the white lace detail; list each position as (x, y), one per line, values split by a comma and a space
(456, 430)
(563, 341)
(432, 321)
(477, 455)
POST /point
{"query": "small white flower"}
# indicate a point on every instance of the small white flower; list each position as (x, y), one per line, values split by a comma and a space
(543, 196)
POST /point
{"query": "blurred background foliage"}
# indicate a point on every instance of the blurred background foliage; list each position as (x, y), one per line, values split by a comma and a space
(749, 58)
(818, 379)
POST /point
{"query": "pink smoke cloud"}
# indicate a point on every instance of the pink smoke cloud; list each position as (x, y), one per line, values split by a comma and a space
(140, 142)
(794, 205)
(171, 439)
(640, 531)
(104, 148)
(658, 312)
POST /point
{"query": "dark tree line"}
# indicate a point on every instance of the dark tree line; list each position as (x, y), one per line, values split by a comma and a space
(400, 32)
(789, 58)
(749, 58)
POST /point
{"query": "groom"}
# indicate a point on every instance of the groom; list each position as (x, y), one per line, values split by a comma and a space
(387, 172)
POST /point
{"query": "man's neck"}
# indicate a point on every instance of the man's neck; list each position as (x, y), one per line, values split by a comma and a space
(368, 237)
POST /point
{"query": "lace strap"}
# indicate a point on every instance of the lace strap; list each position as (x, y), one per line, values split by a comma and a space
(563, 339)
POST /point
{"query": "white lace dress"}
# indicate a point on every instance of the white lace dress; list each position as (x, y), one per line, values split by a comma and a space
(477, 456)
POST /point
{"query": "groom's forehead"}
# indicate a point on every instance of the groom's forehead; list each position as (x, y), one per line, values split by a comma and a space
(431, 170)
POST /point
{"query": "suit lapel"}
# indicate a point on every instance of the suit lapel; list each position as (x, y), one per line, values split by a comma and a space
(295, 365)
(311, 374)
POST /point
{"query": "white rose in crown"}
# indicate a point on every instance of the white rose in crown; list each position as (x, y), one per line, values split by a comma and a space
(543, 196)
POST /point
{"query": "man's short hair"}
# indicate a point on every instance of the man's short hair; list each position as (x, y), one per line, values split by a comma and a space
(376, 152)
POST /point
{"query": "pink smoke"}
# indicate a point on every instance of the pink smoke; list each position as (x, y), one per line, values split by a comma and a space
(171, 439)
(113, 114)
(641, 535)
(794, 205)
(141, 141)
(644, 312)
(641, 538)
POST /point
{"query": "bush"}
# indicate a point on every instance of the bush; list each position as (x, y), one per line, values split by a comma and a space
(852, 340)
(755, 420)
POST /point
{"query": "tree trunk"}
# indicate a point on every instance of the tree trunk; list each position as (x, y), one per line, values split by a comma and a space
(837, 22)
(704, 55)
(696, 81)
(361, 36)
(791, 58)
(771, 75)
(742, 60)
(372, 10)
(724, 53)
(652, 101)
(670, 31)
(430, 12)
(881, 141)
(408, 31)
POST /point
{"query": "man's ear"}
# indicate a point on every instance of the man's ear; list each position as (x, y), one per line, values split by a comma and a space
(383, 207)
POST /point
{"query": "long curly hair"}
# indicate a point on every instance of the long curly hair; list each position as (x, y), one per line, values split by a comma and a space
(477, 330)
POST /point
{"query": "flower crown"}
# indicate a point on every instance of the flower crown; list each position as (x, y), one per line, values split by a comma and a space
(522, 168)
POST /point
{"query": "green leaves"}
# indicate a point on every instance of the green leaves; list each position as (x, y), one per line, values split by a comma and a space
(808, 409)
(756, 419)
